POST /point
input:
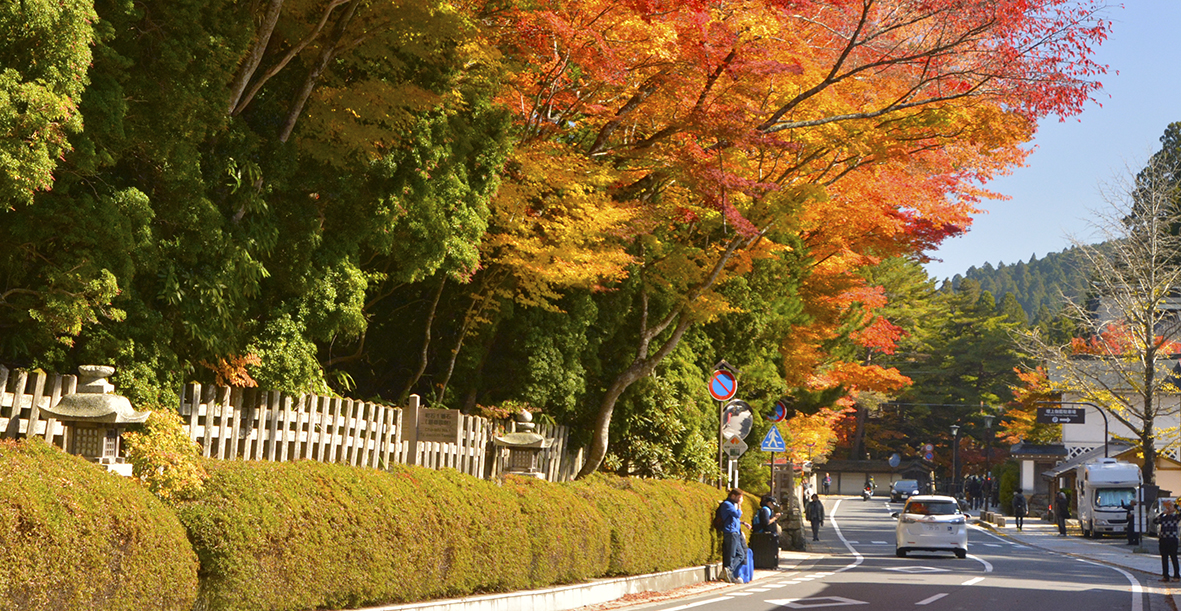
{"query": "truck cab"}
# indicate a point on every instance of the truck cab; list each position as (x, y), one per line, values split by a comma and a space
(1106, 486)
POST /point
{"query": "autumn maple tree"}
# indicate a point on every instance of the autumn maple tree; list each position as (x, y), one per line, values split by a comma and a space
(836, 132)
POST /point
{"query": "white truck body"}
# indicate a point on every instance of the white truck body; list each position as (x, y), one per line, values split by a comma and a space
(1105, 486)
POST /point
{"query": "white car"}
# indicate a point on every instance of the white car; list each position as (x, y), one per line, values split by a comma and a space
(931, 523)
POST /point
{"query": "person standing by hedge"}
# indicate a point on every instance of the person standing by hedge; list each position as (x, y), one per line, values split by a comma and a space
(733, 544)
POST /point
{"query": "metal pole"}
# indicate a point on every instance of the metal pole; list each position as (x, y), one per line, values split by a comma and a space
(723, 467)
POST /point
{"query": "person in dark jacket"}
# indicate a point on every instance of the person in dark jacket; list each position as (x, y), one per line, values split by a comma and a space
(1061, 512)
(815, 514)
(1020, 508)
(1130, 529)
(1168, 522)
(766, 521)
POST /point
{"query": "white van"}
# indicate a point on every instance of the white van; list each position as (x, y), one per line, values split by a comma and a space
(1105, 487)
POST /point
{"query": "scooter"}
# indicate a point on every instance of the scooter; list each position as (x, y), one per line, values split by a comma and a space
(865, 494)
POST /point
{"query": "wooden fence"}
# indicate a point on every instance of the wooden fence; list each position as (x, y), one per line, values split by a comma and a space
(24, 394)
(251, 424)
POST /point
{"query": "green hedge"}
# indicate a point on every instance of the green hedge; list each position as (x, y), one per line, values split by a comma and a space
(73, 536)
(305, 535)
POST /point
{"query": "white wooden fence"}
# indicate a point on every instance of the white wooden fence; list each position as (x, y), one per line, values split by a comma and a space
(31, 392)
(251, 424)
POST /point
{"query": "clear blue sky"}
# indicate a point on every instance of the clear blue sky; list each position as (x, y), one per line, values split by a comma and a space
(1051, 197)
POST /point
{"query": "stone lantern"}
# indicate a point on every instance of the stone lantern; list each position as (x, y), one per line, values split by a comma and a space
(94, 418)
(523, 447)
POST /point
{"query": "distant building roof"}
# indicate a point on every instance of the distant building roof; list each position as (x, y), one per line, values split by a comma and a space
(1036, 450)
(1113, 448)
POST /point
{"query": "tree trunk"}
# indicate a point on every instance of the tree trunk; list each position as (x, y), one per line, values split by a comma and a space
(426, 344)
(254, 57)
(309, 83)
(640, 367)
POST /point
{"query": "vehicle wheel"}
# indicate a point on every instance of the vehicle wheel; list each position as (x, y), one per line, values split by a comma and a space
(961, 553)
(901, 553)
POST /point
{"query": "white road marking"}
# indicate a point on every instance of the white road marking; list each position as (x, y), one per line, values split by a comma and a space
(700, 603)
(1137, 590)
(973, 581)
(927, 601)
(987, 565)
(879, 542)
(812, 603)
(858, 558)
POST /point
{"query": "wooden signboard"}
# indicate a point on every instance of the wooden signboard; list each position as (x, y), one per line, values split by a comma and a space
(438, 425)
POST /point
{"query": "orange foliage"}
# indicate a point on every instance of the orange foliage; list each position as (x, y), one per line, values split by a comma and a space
(853, 130)
(1117, 340)
(232, 372)
(1021, 415)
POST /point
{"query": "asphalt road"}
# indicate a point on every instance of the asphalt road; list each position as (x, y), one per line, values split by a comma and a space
(863, 573)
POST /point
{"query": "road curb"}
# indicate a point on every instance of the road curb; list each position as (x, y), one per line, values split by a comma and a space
(1173, 595)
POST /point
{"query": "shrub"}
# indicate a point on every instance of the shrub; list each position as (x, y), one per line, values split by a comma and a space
(73, 536)
(308, 535)
(305, 535)
(569, 539)
(656, 525)
(164, 458)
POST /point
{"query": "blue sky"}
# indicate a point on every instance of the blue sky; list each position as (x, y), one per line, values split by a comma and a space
(1051, 197)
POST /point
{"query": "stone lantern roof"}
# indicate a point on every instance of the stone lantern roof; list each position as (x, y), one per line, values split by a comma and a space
(94, 401)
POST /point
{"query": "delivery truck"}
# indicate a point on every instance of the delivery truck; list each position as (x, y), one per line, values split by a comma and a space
(1106, 486)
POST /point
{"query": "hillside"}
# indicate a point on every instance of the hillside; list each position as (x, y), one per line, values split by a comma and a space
(1035, 283)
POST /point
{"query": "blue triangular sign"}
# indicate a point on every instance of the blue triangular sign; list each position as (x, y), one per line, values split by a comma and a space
(773, 442)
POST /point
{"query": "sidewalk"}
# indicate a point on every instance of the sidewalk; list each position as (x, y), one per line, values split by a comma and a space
(1143, 560)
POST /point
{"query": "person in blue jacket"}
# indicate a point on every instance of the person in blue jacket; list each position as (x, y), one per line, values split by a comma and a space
(733, 544)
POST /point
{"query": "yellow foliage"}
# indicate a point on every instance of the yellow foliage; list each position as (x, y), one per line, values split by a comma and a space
(555, 227)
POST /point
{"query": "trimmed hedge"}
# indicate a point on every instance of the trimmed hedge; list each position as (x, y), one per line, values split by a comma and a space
(305, 535)
(73, 536)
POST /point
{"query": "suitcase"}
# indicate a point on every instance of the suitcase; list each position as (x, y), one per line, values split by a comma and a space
(765, 549)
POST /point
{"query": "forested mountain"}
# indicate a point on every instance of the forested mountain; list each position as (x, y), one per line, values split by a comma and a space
(1036, 283)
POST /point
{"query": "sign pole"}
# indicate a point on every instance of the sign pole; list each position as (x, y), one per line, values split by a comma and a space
(772, 474)
(723, 467)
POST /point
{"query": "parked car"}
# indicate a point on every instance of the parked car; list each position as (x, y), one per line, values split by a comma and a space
(931, 523)
(903, 489)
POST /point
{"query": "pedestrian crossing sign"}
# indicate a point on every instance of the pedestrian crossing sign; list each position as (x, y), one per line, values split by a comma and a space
(773, 442)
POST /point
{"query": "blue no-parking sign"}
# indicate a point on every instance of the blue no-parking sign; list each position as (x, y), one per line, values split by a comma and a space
(722, 385)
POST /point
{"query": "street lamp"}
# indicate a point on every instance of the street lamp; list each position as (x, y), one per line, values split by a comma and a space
(955, 459)
(988, 460)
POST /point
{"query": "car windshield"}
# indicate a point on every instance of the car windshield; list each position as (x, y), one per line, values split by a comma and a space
(932, 508)
(1114, 497)
(906, 484)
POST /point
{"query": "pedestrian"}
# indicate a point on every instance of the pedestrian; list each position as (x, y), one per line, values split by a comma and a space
(827, 483)
(1061, 511)
(1130, 529)
(766, 520)
(1020, 508)
(1168, 540)
(815, 514)
(729, 517)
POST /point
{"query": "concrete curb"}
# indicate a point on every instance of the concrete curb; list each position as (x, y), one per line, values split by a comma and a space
(1174, 595)
(562, 598)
